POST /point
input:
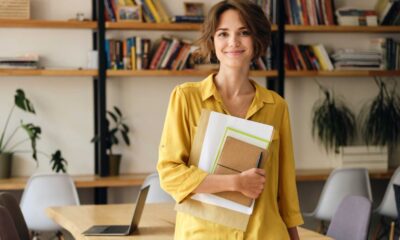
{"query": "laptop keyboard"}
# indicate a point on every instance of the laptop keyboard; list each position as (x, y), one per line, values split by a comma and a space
(116, 229)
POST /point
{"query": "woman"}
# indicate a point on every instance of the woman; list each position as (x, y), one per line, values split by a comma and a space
(235, 32)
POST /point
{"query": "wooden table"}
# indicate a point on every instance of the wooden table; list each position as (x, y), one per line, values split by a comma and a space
(83, 181)
(157, 221)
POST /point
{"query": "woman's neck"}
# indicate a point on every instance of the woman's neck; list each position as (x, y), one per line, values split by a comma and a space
(232, 83)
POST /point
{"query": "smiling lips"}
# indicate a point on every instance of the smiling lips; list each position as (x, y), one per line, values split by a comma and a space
(234, 53)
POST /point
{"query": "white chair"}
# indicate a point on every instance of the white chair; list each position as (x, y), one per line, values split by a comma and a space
(388, 205)
(43, 191)
(387, 208)
(341, 182)
(351, 220)
(156, 193)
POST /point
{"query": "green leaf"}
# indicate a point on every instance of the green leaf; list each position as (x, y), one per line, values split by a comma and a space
(118, 111)
(113, 116)
(125, 127)
(125, 137)
(333, 123)
(380, 118)
(33, 134)
(22, 102)
(58, 162)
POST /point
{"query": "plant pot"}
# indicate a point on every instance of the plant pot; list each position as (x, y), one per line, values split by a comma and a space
(114, 161)
(5, 165)
(370, 157)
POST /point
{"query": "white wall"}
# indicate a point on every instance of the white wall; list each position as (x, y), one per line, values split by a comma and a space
(65, 104)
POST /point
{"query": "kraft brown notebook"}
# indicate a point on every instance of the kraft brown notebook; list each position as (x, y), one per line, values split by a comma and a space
(237, 156)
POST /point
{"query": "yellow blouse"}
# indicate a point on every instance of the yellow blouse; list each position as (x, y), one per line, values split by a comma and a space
(277, 207)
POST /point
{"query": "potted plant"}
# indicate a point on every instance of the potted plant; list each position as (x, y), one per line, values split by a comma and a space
(333, 124)
(380, 118)
(9, 147)
(114, 132)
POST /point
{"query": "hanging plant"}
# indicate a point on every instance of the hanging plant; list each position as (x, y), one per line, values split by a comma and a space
(333, 124)
(381, 118)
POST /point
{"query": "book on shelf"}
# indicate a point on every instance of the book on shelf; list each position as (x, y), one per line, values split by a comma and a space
(27, 61)
(310, 12)
(356, 17)
(187, 19)
(154, 11)
(303, 57)
(390, 50)
(135, 10)
(388, 12)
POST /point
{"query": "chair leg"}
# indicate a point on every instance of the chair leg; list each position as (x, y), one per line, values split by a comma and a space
(59, 235)
(35, 235)
(376, 232)
(322, 227)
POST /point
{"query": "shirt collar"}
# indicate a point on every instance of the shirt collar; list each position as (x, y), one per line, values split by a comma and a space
(209, 89)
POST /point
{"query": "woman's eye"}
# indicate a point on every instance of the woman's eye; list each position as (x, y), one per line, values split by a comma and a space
(222, 34)
(245, 33)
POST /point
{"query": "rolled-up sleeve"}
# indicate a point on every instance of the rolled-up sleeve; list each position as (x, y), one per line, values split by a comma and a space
(288, 200)
(176, 178)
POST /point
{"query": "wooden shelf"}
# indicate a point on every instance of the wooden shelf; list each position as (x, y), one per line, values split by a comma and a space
(183, 73)
(83, 181)
(49, 72)
(47, 24)
(158, 26)
(352, 29)
(136, 179)
(305, 175)
(342, 73)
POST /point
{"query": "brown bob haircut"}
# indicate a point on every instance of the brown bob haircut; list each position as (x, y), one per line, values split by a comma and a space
(253, 17)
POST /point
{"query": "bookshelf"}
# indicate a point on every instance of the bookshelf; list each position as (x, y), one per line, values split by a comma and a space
(47, 24)
(48, 72)
(343, 29)
(158, 26)
(342, 73)
(183, 73)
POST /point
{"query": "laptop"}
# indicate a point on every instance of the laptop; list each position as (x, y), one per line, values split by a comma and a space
(121, 230)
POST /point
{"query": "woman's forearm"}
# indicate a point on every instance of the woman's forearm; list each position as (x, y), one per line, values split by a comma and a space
(293, 233)
(250, 183)
(217, 183)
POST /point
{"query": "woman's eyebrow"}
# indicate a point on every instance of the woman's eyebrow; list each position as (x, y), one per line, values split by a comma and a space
(225, 29)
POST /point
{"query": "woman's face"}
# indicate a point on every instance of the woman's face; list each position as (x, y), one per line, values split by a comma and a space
(233, 42)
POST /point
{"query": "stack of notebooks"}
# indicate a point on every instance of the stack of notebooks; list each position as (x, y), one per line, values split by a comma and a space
(237, 156)
(390, 50)
(353, 59)
(21, 62)
(225, 144)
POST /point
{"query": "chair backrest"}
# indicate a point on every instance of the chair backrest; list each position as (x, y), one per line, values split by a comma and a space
(43, 191)
(388, 206)
(342, 182)
(10, 203)
(156, 193)
(7, 227)
(396, 189)
(351, 219)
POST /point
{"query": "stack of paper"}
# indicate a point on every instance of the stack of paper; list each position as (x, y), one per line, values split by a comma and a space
(26, 62)
(236, 144)
(358, 59)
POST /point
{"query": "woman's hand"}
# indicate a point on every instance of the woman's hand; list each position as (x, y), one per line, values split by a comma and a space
(251, 182)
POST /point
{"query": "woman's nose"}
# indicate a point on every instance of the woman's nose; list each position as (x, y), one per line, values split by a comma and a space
(234, 41)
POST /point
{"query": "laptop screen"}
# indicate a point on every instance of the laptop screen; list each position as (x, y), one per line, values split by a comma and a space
(140, 202)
